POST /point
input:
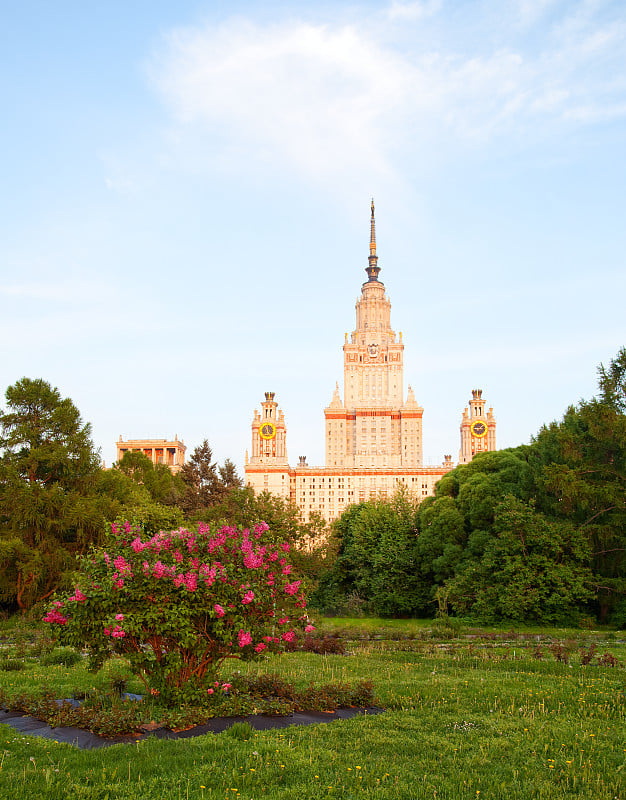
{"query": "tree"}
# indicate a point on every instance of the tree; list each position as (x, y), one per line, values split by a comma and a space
(530, 569)
(376, 559)
(49, 507)
(161, 484)
(203, 485)
(581, 477)
(613, 382)
(229, 477)
(126, 498)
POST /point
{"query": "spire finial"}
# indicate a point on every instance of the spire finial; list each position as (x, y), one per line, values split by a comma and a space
(373, 232)
(373, 269)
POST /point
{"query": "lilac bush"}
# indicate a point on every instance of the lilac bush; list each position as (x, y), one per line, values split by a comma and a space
(179, 603)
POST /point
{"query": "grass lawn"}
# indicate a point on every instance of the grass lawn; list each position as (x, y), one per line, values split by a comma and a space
(479, 715)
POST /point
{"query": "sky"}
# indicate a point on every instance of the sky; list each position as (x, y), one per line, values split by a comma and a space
(184, 214)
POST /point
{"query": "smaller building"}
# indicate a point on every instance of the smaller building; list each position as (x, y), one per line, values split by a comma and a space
(478, 429)
(159, 451)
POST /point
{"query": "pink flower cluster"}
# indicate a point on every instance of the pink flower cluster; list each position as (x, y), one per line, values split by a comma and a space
(224, 687)
(54, 615)
(116, 632)
(189, 581)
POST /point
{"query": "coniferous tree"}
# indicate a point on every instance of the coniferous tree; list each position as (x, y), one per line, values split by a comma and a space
(49, 506)
(203, 485)
(228, 476)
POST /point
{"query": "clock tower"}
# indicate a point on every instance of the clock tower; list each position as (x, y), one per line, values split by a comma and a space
(269, 435)
(478, 429)
(268, 469)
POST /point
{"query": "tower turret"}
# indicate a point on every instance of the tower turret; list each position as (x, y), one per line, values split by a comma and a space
(478, 428)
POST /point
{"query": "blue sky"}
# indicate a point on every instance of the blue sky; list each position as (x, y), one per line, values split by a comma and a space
(185, 209)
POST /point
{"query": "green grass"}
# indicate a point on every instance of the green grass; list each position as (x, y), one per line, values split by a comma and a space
(472, 717)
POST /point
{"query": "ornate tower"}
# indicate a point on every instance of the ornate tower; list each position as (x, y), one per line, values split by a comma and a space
(478, 429)
(269, 434)
(268, 469)
(372, 427)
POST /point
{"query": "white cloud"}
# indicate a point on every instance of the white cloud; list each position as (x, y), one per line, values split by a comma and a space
(317, 96)
(339, 100)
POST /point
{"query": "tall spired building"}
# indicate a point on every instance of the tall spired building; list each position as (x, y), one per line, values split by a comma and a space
(373, 436)
(373, 427)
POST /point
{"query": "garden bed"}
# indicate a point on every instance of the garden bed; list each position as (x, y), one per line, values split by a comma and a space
(86, 740)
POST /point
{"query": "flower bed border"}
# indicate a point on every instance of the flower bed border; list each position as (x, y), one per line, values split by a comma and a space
(85, 740)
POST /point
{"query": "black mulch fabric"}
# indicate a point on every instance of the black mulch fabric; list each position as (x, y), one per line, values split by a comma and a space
(86, 740)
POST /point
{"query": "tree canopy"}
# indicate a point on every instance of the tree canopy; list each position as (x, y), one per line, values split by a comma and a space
(49, 506)
(205, 484)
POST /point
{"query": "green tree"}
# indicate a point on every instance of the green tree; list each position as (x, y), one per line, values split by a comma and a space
(531, 569)
(377, 559)
(612, 383)
(49, 507)
(228, 476)
(162, 485)
(203, 485)
(581, 478)
(126, 498)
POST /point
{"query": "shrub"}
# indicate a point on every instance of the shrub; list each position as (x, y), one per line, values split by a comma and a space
(11, 665)
(322, 645)
(65, 658)
(177, 604)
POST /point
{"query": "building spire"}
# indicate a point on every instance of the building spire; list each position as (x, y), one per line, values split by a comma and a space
(373, 269)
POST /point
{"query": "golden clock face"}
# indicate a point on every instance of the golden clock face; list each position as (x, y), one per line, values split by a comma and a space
(478, 428)
(268, 430)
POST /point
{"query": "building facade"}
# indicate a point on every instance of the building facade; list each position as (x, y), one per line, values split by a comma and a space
(159, 451)
(373, 435)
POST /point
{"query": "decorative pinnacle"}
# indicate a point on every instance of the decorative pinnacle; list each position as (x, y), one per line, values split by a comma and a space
(373, 269)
